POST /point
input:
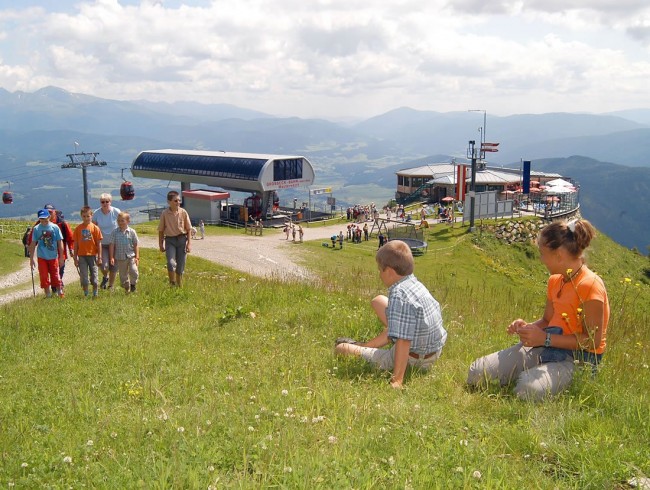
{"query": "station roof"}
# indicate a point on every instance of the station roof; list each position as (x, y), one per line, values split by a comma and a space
(443, 173)
(229, 170)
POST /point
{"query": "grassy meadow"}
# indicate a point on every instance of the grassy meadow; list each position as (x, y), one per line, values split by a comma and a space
(230, 382)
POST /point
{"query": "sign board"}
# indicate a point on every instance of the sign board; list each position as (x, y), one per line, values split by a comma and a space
(487, 205)
(489, 147)
(324, 190)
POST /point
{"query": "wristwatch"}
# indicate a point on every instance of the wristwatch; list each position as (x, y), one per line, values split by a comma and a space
(547, 342)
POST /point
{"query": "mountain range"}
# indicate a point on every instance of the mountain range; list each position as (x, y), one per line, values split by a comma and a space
(608, 154)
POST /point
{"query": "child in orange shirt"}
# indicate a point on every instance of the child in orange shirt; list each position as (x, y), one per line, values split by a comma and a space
(87, 250)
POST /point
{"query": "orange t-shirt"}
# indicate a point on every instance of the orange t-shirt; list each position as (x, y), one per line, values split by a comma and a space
(88, 239)
(568, 308)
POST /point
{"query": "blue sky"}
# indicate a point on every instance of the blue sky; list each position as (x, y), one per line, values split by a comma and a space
(336, 58)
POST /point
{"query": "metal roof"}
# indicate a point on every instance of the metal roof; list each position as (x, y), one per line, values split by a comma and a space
(431, 170)
(443, 173)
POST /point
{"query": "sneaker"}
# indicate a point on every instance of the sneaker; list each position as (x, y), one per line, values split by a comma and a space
(104, 282)
(61, 294)
(133, 288)
(95, 294)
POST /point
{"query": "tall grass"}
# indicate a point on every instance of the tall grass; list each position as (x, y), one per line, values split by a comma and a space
(231, 382)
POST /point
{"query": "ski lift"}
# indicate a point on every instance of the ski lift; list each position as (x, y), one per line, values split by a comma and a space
(7, 196)
(127, 191)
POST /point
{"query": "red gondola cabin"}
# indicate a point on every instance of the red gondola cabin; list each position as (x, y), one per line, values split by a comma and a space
(7, 197)
(127, 191)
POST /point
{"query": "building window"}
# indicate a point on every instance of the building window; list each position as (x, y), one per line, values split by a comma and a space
(289, 169)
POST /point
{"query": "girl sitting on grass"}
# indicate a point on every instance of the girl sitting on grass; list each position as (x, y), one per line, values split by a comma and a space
(572, 329)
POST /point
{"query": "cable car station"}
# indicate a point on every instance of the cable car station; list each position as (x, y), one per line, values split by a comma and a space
(260, 174)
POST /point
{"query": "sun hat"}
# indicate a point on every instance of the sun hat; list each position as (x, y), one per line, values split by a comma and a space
(43, 214)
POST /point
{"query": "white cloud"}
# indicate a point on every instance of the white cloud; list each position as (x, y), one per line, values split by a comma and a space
(335, 57)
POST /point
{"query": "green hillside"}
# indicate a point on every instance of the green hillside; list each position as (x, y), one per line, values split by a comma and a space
(230, 382)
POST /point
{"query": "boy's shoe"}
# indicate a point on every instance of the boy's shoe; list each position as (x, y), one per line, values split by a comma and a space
(85, 293)
(95, 294)
(48, 295)
(133, 288)
(104, 282)
(61, 294)
(344, 340)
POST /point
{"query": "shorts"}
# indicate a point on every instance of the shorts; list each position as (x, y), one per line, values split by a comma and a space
(385, 358)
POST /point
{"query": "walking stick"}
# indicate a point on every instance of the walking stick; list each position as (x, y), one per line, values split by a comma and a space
(33, 286)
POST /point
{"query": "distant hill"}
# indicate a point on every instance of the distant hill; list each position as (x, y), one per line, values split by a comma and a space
(614, 197)
(641, 116)
(359, 160)
(630, 148)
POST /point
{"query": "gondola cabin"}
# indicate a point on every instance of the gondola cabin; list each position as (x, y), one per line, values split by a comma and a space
(7, 197)
(127, 191)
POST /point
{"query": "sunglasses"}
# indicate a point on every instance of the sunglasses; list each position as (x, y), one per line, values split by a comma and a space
(105, 202)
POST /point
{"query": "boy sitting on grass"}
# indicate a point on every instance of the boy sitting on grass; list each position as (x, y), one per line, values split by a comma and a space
(411, 317)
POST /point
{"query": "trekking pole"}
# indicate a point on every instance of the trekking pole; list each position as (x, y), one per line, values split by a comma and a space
(33, 286)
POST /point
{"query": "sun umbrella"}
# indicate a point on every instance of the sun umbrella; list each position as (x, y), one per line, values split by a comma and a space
(447, 199)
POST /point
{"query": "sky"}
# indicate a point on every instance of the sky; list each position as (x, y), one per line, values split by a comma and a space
(336, 58)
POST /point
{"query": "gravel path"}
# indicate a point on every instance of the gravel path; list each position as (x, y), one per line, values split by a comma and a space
(270, 255)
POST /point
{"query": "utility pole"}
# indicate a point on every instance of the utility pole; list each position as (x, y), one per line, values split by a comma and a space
(84, 160)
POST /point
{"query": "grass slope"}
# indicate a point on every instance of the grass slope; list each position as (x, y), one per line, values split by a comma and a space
(231, 381)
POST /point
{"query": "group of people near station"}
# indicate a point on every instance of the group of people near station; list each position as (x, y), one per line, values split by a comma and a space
(294, 230)
(360, 213)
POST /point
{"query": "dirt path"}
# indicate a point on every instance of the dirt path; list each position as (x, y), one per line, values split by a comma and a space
(270, 255)
(23, 277)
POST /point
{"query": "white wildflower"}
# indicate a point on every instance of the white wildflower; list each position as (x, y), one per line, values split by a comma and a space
(332, 439)
(477, 474)
(67, 460)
